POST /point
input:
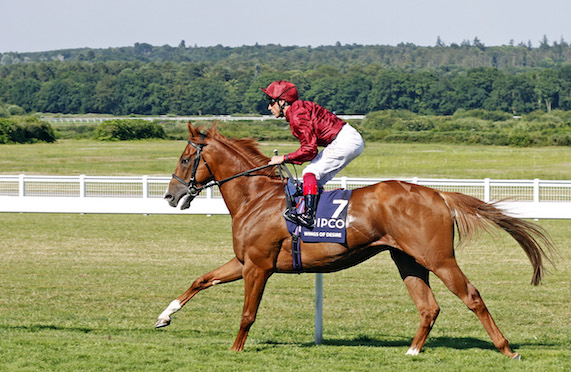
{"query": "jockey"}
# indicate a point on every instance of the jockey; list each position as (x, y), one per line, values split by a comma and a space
(314, 126)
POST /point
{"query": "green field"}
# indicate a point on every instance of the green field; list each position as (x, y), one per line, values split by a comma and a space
(380, 160)
(82, 292)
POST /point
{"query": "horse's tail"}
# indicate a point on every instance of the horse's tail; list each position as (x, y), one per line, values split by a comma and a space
(472, 214)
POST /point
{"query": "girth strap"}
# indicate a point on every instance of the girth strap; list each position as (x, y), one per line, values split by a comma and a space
(296, 250)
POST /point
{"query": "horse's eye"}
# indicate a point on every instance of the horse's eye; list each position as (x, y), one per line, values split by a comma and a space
(184, 161)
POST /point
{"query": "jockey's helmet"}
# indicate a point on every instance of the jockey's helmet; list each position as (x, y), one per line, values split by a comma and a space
(281, 89)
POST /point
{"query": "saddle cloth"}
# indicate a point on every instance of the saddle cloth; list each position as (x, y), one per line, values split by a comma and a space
(330, 219)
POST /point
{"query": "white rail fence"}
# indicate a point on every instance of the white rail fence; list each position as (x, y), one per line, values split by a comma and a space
(144, 195)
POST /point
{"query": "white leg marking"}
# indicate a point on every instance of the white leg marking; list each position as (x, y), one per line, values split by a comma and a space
(173, 307)
(412, 351)
(214, 282)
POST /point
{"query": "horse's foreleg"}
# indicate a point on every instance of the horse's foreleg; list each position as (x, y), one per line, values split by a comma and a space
(255, 279)
(230, 271)
(415, 277)
(455, 280)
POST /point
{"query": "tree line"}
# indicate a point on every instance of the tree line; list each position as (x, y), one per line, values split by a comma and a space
(124, 88)
(467, 54)
(346, 79)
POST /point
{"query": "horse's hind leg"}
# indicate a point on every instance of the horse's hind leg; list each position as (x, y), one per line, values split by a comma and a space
(230, 271)
(415, 277)
(456, 281)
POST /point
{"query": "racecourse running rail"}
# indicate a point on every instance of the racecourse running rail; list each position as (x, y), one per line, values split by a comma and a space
(106, 194)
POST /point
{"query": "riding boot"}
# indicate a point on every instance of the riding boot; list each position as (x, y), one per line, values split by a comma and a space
(307, 218)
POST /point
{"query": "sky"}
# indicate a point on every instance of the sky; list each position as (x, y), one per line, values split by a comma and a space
(44, 25)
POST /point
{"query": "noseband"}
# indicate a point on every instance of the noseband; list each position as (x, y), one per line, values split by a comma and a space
(193, 188)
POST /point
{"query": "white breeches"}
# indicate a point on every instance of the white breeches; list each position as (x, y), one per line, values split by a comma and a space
(341, 151)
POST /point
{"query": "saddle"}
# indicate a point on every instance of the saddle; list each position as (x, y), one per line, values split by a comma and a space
(330, 219)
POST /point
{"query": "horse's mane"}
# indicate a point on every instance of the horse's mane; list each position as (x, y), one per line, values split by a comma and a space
(248, 148)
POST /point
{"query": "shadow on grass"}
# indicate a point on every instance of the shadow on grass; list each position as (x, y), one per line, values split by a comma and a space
(36, 328)
(459, 343)
(47, 327)
(435, 342)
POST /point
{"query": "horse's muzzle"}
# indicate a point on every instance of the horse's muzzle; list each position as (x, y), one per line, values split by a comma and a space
(174, 201)
(171, 199)
(174, 193)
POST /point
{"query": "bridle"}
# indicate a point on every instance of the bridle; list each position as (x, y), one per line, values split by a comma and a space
(193, 188)
(192, 185)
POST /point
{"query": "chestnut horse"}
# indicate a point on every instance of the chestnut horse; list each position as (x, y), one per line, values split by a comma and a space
(415, 223)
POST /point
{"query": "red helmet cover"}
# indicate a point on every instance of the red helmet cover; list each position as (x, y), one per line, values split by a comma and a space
(282, 89)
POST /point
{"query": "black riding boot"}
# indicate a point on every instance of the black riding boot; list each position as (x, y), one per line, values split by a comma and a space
(307, 218)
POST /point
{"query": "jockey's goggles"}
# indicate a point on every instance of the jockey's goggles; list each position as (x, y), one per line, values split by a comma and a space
(271, 100)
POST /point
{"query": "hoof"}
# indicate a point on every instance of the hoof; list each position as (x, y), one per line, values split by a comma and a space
(162, 323)
(413, 351)
(516, 356)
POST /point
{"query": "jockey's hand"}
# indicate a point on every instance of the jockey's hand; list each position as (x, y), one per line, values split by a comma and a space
(277, 159)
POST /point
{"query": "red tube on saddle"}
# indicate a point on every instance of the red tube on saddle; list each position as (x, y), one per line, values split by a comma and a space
(309, 184)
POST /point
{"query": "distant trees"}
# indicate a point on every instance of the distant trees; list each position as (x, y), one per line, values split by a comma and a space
(195, 89)
(348, 79)
(25, 92)
(467, 54)
(547, 87)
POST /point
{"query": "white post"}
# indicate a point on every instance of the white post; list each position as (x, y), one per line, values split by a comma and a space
(21, 185)
(82, 186)
(487, 190)
(318, 308)
(536, 190)
(209, 196)
(145, 187)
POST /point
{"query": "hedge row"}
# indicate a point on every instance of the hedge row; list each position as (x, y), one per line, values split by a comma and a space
(464, 127)
(128, 129)
(471, 127)
(25, 130)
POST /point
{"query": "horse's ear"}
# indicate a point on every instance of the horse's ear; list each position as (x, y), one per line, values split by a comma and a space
(213, 131)
(191, 130)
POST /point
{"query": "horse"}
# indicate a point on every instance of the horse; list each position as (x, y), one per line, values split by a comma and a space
(415, 223)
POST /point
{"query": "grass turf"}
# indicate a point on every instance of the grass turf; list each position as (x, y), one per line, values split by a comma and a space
(158, 158)
(82, 292)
